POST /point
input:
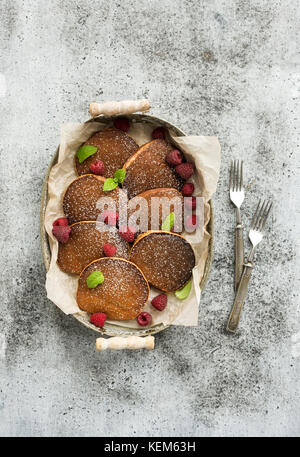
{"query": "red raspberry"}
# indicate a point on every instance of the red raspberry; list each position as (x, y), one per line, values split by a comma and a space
(127, 232)
(174, 158)
(160, 302)
(61, 221)
(187, 189)
(97, 168)
(61, 233)
(98, 319)
(190, 203)
(159, 132)
(185, 170)
(144, 319)
(110, 217)
(191, 223)
(109, 250)
(122, 123)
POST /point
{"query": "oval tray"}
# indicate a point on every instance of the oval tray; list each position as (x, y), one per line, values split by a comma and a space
(111, 329)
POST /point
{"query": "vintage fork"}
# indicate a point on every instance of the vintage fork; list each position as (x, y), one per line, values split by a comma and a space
(237, 196)
(255, 235)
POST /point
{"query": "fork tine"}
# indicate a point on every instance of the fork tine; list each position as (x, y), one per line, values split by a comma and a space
(234, 173)
(241, 175)
(231, 176)
(237, 175)
(260, 215)
(234, 176)
(253, 222)
(265, 217)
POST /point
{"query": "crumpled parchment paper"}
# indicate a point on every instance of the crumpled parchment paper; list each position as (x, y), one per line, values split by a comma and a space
(203, 151)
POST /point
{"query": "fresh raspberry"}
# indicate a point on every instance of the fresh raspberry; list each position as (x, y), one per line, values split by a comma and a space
(61, 233)
(185, 170)
(61, 221)
(122, 123)
(98, 319)
(174, 158)
(110, 217)
(187, 189)
(160, 302)
(109, 250)
(144, 319)
(127, 232)
(190, 203)
(191, 223)
(97, 168)
(159, 132)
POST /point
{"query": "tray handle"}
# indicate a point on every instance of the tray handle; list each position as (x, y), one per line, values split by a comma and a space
(117, 108)
(130, 342)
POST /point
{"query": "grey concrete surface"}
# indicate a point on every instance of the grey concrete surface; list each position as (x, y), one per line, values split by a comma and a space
(223, 67)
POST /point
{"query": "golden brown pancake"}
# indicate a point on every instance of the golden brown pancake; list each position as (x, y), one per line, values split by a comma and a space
(114, 149)
(165, 258)
(86, 244)
(160, 193)
(82, 195)
(147, 169)
(122, 295)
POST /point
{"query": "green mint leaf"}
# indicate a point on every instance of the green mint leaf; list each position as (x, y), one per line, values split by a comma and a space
(168, 223)
(94, 279)
(184, 292)
(85, 151)
(120, 175)
(109, 184)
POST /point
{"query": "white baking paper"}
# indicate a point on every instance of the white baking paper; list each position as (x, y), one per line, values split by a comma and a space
(203, 151)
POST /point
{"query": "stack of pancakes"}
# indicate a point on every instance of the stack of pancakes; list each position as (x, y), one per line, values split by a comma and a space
(163, 259)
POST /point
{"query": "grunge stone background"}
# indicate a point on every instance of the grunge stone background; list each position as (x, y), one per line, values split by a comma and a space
(229, 68)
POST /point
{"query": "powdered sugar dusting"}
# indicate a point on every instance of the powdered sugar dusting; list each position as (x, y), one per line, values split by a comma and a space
(114, 148)
(86, 244)
(159, 203)
(61, 287)
(122, 295)
(167, 260)
(148, 169)
(81, 197)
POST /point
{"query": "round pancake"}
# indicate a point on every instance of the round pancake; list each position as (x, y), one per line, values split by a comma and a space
(114, 149)
(82, 195)
(165, 258)
(175, 204)
(86, 244)
(122, 295)
(147, 169)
